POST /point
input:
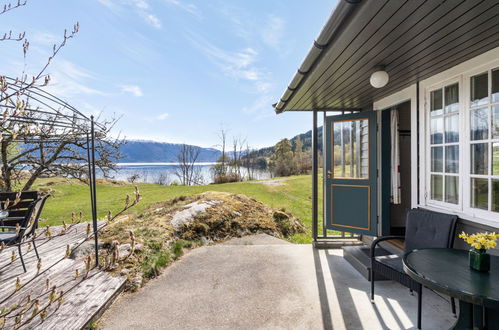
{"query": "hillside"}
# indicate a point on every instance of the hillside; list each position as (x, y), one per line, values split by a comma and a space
(134, 151)
(306, 138)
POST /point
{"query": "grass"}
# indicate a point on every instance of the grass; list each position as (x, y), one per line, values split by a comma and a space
(68, 196)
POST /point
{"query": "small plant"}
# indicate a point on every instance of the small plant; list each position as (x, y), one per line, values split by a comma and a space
(153, 263)
(178, 249)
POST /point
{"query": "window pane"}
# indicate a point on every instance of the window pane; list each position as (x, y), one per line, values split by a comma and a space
(495, 85)
(495, 158)
(495, 195)
(452, 159)
(480, 124)
(495, 121)
(436, 187)
(437, 126)
(351, 149)
(452, 128)
(437, 159)
(452, 98)
(479, 89)
(479, 158)
(338, 161)
(451, 189)
(479, 193)
(363, 134)
(436, 102)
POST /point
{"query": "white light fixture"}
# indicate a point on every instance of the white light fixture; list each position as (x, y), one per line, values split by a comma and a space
(379, 79)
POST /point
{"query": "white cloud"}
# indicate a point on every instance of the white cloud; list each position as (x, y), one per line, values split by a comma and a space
(69, 79)
(132, 89)
(261, 106)
(153, 20)
(188, 7)
(141, 7)
(142, 4)
(238, 65)
(273, 31)
(163, 116)
(45, 38)
(242, 65)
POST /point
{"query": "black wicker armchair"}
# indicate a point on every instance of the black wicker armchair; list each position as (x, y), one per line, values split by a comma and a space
(424, 229)
(27, 225)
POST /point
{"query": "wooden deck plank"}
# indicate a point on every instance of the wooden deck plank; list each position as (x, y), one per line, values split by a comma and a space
(84, 297)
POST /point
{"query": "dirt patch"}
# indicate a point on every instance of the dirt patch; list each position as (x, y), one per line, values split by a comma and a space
(272, 182)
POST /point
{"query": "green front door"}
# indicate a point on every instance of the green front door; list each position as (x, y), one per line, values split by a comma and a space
(350, 185)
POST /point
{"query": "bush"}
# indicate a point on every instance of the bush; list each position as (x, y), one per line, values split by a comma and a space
(226, 178)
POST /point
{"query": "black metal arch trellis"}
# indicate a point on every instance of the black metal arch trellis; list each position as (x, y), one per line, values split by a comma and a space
(43, 108)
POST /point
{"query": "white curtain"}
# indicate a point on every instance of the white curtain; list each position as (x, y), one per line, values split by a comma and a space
(395, 157)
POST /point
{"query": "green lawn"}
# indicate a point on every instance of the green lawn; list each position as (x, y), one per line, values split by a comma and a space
(69, 196)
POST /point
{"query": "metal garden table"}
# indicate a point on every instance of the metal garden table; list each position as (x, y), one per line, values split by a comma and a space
(448, 271)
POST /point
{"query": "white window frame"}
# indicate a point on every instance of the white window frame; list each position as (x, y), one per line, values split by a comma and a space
(460, 73)
(427, 129)
(467, 84)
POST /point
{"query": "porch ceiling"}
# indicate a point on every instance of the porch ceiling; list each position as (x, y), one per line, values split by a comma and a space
(412, 39)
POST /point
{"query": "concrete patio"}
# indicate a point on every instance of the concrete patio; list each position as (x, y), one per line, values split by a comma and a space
(260, 282)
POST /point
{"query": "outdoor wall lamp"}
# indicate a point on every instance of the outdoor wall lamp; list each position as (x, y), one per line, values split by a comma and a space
(379, 78)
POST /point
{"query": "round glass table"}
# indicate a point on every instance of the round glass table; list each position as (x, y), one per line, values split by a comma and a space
(448, 271)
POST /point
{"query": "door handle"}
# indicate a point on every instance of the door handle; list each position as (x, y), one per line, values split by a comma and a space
(329, 174)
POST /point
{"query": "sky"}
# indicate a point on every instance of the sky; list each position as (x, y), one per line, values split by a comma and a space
(173, 70)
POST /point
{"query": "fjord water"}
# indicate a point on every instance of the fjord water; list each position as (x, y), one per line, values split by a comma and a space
(165, 172)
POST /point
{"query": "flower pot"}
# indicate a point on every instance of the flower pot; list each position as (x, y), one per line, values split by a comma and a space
(479, 260)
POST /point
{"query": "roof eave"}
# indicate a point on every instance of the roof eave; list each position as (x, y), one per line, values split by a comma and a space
(332, 27)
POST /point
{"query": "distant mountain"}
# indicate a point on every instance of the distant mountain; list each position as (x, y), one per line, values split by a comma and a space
(134, 151)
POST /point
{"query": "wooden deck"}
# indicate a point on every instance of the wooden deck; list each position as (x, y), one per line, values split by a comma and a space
(83, 297)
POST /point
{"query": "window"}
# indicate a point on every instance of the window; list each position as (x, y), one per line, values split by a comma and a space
(462, 144)
(444, 144)
(351, 149)
(484, 141)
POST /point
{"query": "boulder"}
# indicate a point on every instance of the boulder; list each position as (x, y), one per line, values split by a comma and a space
(84, 249)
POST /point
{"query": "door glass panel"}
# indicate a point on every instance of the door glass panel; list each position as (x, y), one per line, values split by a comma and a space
(451, 189)
(351, 149)
(437, 126)
(436, 187)
(436, 102)
(479, 124)
(495, 121)
(479, 193)
(452, 98)
(479, 89)
(479, 158)
(495, 85)
(452, 159)
(338, 160)
(452, 129)
(495, 158)
(495, 195)
(437, 159)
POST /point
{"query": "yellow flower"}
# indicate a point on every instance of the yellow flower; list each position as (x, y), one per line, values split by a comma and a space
(480, 241)
(490, 245)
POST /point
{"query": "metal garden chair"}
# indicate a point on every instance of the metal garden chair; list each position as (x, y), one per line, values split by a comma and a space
(15, 235)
